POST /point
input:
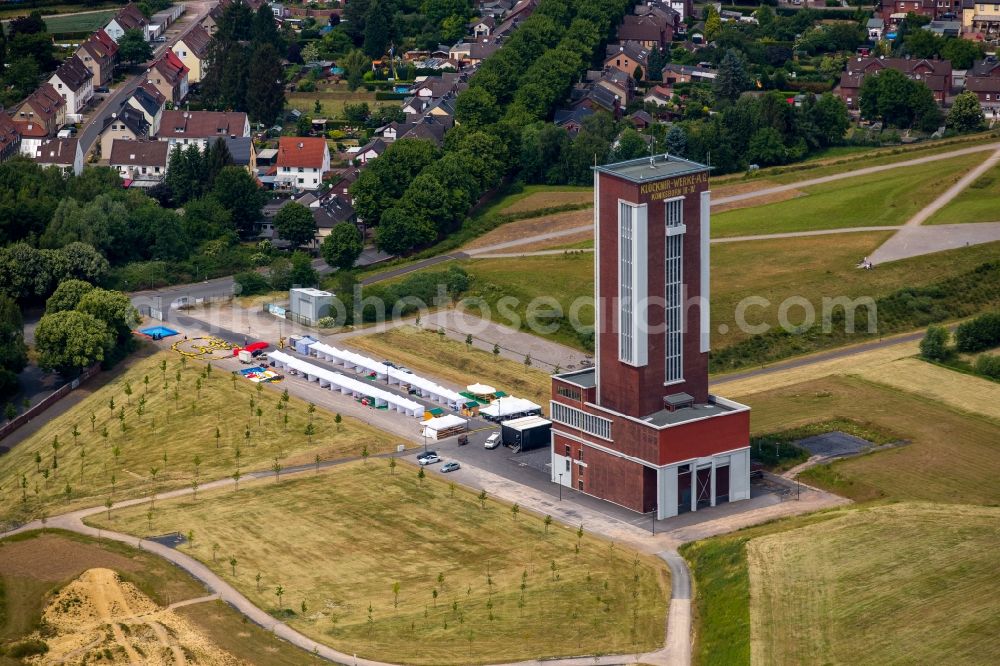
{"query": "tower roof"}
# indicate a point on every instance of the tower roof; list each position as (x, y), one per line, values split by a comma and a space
(644, 169)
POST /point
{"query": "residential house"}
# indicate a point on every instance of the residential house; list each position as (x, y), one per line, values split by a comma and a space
(10, 138)
(983, 78)
(935, 74)
(192, 49)
(651, 30)
(431, 128)
(673, 74)
(416, 106)
(369, 151)
(597, 98)
(495, 9)
(981, 19)
(302, 161)
(483, 27)
(640, 119)
(433, 87)
(659, 95)
(64, 154)
(876, 28)
(142, 162)
(394, 130)
(571, 120)
(201, 127)
(242, 151)
(627, 56)
(170, 76)
(944, 28)
(74, 83)
(99, 55)
(128, 18)
(39, 117)
(329, 211)
(616, 81)
(150, 101)
(211, 20)
(128, 124)
(442, 108)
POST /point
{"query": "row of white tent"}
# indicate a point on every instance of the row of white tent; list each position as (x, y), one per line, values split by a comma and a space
(509, 407)
(359, 362)
(338, 382)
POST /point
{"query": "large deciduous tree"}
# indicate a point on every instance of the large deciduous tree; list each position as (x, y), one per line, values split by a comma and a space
(239, 193)
(13, 352)
(133, 47)
(113, 308)
(70, 341)
(295, 224)
(966, 114)
(67, 296)
(265, 88)
(342, 247)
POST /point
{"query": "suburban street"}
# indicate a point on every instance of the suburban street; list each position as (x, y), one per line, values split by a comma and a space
(195, 11)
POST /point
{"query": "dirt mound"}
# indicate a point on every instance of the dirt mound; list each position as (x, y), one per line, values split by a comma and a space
(99, 618)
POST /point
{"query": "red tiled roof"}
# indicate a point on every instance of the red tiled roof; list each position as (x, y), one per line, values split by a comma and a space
(171, 67)
(301, 151)
(8, 132)
(31, 128)
(110, 45)
(202, 124)
(73, 73)
(45, 101)
(57, 151)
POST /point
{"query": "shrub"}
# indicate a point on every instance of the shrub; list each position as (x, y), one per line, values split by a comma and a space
(934, 346)
(27, 648)
(326, 322)
(988, 366)
(978, 334)
(250, 282)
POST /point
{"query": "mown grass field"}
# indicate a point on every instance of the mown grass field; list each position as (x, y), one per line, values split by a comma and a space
(977, 203)
(36, 564)
(884, 199)
(812, 267)
(304, 534)
(429, 354)
(78, 22)
(179, 422)
(332, 102)
(538, 197)
(910, 583)
(951, 456)
(842, 159)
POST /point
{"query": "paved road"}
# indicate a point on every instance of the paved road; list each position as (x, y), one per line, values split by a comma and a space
(195, 11)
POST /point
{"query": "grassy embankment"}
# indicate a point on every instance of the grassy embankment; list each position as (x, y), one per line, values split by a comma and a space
(428, 354)
(178, 423)
(34, 565)
(975, 204)
(475, 584)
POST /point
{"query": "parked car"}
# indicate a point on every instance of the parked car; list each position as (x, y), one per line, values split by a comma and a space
(101, 89)
(406, 370)
(429, 460)
(426, 454)
(450, 467)
(493, 441)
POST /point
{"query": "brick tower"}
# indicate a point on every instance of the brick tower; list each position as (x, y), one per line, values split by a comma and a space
(640, 428)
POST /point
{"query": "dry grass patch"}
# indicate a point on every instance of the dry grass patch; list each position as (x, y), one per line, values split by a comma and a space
(957, 389)
(427, 353)
(533, 227)
(910, 583)
(951, 456)
(338, 542)
(182, 410)
(549, 199)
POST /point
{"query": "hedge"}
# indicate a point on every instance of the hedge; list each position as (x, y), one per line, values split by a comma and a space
(978, 334)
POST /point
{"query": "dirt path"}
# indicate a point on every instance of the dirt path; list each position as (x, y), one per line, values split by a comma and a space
(106, 597)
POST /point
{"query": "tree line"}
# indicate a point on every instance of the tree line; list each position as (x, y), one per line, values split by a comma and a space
(244, 64)
(416, 193)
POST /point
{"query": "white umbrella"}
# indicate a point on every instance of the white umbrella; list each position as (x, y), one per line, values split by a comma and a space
(480, 389)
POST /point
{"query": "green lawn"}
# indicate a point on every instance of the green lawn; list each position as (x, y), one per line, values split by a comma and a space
(180, 423)
(475, 584)
(950, 456)
(332, 102)
(884, 199)
(975, 204)
(90, 22)
(812, 267)
(911, 583)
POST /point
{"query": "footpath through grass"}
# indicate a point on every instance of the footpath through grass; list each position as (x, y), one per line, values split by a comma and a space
(182, 409)
(975, 204)
(429, 354)
(475, 584)
(884, 199)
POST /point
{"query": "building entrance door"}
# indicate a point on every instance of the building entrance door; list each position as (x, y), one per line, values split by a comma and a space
(704, 486)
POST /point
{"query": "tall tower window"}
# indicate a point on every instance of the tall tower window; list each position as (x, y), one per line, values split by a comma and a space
(626, 231)
(673, 280)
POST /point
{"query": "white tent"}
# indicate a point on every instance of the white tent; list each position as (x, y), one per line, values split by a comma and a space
(443, 426)
(345, 384)
(360, 363)
(508, 407)
(480, 389)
